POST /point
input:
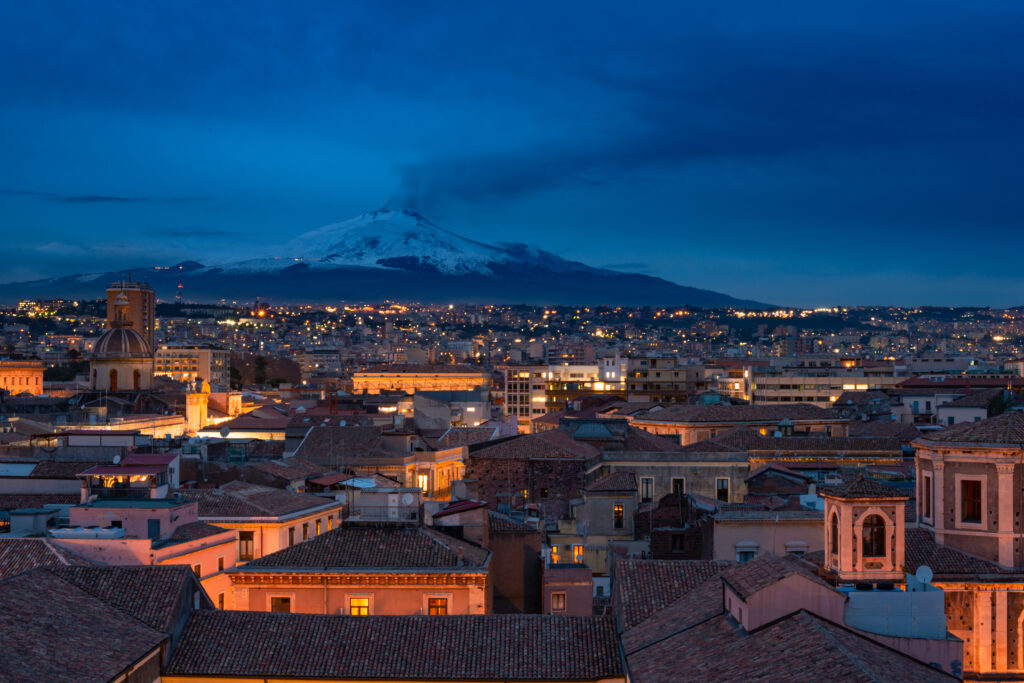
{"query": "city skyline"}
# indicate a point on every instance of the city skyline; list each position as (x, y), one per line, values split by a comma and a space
(816, 156)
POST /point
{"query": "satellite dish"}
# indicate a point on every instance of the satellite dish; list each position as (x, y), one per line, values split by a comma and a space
(924, 574)
(407, 499)
(117, 459)
(224, 431)
(342, 423)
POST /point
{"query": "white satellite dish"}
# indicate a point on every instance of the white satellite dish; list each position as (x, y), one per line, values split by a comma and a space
(117, 459)
(342, 423)
(224, 431)
(407, 499)
(924, 574)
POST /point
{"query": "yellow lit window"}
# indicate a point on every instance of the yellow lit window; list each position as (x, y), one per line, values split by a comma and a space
(423, 481)
(437, 606)
(359, 607)
(577, 554)
(330, 523)
(318, 527)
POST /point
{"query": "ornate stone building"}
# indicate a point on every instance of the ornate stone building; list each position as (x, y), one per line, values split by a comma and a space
(122, 359)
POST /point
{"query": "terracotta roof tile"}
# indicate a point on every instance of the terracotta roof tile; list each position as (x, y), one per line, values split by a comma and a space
(241, 499)
(920, 549)
(642, 587)
(1002, 430)
(553, 444)
(500, 524)
(453, 648)
(398, 547)
(862, 487)
(21, 554)
(616, 481)
(757, 574)
(192, 531)
(738, 413)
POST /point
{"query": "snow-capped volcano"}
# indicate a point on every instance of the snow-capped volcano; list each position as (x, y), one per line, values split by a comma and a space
(404, 238)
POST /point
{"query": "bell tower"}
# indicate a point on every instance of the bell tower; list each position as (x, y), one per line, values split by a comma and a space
(864, 531)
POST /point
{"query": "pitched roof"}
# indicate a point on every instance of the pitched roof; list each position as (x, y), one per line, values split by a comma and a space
(699, 603)
(897, 430)
(15, 501)
(500, 524)
(642, 587)
(242, 499)
(363, 547)
(799, 647)
(862, 487)
(920, 549)
(738, 413)
(757, 574)
(55, 631)
(149, 593)
(464, 436)
(61, 469)
(290, 468)
(476, 648)
(21, 554)
(616, 481)
(552, 444)
(750, 440)
(193, 531)
(976, 399)
(1002, 430)
(328, 443)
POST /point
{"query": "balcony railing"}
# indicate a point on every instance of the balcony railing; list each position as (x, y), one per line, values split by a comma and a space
(366, 513)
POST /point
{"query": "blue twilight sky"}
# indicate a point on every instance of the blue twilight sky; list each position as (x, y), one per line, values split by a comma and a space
(839, 152)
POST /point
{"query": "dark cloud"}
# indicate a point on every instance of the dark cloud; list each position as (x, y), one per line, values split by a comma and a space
(102, 198)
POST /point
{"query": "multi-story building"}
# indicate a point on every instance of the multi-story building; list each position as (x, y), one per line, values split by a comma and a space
(141, 307)
(535, 390)
(664, 379)
(817, 380)
(21, 376)
(184, 362)
(413, 378)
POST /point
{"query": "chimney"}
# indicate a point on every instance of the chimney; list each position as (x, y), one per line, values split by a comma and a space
(458, 562)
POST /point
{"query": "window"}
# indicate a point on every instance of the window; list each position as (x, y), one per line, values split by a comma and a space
(359, 607)
(220, 601)
(280, 604)
(970, 501)
(220, 563)
(437, 606)
(745, 555)
(245, 545)
(874, 536)
(834, 540)
(678, 543)
(558, 601)
(577, 554)
(617, 515)
(423, 481)
(291, 536)
(722, 489)
(305, 531)
(318, 527)
(543, 493)
(330, 523)
(926, 496)
(646, 489)
(197, 569)
(679, 486)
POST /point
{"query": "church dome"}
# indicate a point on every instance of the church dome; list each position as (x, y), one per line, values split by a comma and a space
(120, 342)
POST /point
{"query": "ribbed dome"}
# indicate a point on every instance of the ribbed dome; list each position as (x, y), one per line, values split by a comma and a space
(120, 342)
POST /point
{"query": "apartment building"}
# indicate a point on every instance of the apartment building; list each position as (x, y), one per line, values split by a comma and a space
(816, 380)
(184, 362)
(664, 379)
(535, 390)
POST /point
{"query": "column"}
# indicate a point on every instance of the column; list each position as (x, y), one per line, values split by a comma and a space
(1004, 471)
(999, 633)
(983, 631)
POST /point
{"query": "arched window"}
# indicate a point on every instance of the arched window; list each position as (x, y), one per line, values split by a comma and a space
(834, 541)
(874, 536)
(135, 379)
(113, 380)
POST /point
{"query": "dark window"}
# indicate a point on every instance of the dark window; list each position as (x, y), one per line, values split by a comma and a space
(678, 543)
(617, 514)
(291, 536)
(646, 489)
(437, 606)
(153, 528)
(722, 490)
(197, 569)
(305, 532)
(970, 501)
(245, 545)
(834, 545)
(543, 493)
(280, 604)
(558, 602)
(220, 564)
(874, 536)
(220, 601)
(679, 486)
(927, 497)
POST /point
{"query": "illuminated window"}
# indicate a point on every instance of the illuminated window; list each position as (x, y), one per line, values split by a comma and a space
(577, 554)
(280, 604)
(359, 607)
(558, 602)
(437, 606)
(874, 536)
(554, 554)
(318, 527)
(423, 481)
(617, 515)
(330, 523)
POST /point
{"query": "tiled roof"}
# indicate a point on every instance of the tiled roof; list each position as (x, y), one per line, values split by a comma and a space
(751, 440)
(711, 446)
(1002, 430)
(701, 602)
(452, 648)
(396, 547)
(150, 594)
(15, 501)
(739, 413)
(54, 631)
(642, 587)
(458, 506)
(799, 647)
(328, 444)
(769, 515)
(61, 469)
(546, 445)
(241, 499)
(616, 481)
(897, 430)
(976, 399)
(863, 487)
(290, 468)
(757, 574)
(500, 524)
(776, 467)
(464, 436)
(21, 554)
(920, 549)
(193, 531)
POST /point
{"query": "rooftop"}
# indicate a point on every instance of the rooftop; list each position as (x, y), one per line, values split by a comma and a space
(1002, 430)
(240, 499)
(22, 554)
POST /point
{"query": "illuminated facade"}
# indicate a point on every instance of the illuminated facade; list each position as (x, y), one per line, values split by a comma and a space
(188, 362)
(413, 378)
(122, 359)
(21, 377)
